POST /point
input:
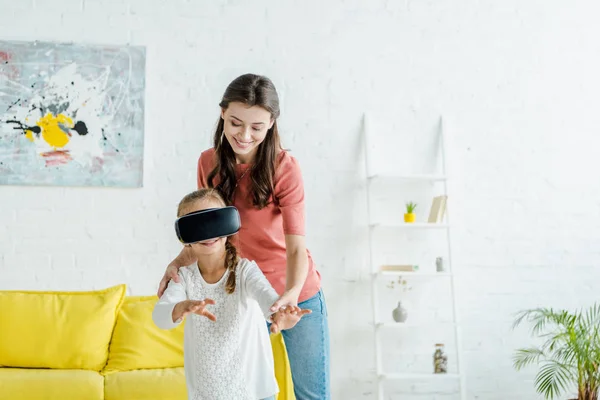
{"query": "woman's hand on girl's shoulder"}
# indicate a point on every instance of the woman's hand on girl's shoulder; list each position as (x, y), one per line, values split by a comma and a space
(170, 273)
(185, 257)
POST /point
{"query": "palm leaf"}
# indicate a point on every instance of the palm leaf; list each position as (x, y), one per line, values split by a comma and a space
(566, 355)
(541, 317)
(525, 357)
(553, 379)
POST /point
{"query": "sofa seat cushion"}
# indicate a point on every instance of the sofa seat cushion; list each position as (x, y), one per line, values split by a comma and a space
(60, 330)
(137, 343)
(146, 384)
(283, 372)
(50, 384)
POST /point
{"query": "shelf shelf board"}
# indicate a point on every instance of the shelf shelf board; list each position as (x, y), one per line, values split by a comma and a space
(415, 225)
(414, 273)
(401, 376)
(410, 178)
(410, 325)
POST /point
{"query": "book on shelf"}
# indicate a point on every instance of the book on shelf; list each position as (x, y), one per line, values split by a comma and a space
(438, 209)
(400, 268)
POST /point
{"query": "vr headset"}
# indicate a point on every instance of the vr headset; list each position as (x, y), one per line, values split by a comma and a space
(208, 224)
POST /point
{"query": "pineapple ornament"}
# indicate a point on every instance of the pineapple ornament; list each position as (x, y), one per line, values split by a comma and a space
(409, 216)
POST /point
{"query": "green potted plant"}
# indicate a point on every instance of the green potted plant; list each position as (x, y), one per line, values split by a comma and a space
(569, 357)
(410, 216)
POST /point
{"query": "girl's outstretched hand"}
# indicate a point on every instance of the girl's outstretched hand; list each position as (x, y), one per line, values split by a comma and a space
(287, 318)
(183, 308)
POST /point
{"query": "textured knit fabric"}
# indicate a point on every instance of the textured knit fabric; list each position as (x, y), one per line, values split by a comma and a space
(231, 358)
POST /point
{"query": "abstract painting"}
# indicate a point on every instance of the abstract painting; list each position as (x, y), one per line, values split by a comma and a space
(71, 115)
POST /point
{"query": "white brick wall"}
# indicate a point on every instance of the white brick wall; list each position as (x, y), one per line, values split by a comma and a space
(518, 79)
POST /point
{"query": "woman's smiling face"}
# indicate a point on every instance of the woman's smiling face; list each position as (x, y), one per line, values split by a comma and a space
(245, 128)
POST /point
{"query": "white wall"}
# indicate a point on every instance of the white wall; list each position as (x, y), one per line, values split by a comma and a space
(518, 81)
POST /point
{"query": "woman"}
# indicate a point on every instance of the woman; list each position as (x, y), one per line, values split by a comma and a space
(252, 171)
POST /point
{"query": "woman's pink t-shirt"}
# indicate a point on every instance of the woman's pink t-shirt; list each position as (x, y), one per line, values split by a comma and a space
(262, 235)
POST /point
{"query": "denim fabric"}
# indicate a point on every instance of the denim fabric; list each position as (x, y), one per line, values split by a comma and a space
(307, 346)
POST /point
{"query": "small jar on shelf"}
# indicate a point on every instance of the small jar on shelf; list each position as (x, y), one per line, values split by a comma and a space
(440, 360)
(439, 264)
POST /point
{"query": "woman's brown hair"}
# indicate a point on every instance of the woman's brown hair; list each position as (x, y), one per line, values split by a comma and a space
(231, 257)
(252, 90)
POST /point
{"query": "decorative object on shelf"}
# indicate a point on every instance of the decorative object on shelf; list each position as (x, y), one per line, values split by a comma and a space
(439, 264)
(438, 209)
(440, 360)
(404, 284)
(568, 355)
(399, 268)
(409, 216)
(399, 313)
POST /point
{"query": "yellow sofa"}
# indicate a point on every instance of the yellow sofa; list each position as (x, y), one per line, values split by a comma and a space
(95, 345)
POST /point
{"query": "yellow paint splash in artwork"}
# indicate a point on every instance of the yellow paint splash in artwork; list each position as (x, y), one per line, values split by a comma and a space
(51, 131)
(29, 135)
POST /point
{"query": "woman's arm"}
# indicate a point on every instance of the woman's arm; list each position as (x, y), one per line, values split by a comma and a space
(258, 287)
(297, 264)
(296, 271)
(289, 190)
(185, 258)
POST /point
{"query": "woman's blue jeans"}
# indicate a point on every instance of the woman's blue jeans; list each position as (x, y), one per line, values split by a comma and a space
(307, 346)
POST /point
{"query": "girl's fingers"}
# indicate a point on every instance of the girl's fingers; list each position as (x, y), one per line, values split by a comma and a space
(202, 303)
(293, 310)
(208, 315)
(274, 328)
(297, 311)
(199, 307)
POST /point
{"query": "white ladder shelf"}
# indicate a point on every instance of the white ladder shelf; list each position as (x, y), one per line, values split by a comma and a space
(375, 273)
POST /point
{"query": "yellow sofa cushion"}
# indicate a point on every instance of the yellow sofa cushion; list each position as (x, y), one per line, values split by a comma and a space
(50, 384)
(137, 343)
(163, 384)
(61, 330)
(283, 372)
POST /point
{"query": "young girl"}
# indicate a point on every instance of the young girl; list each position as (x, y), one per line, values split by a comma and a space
(227, 351)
